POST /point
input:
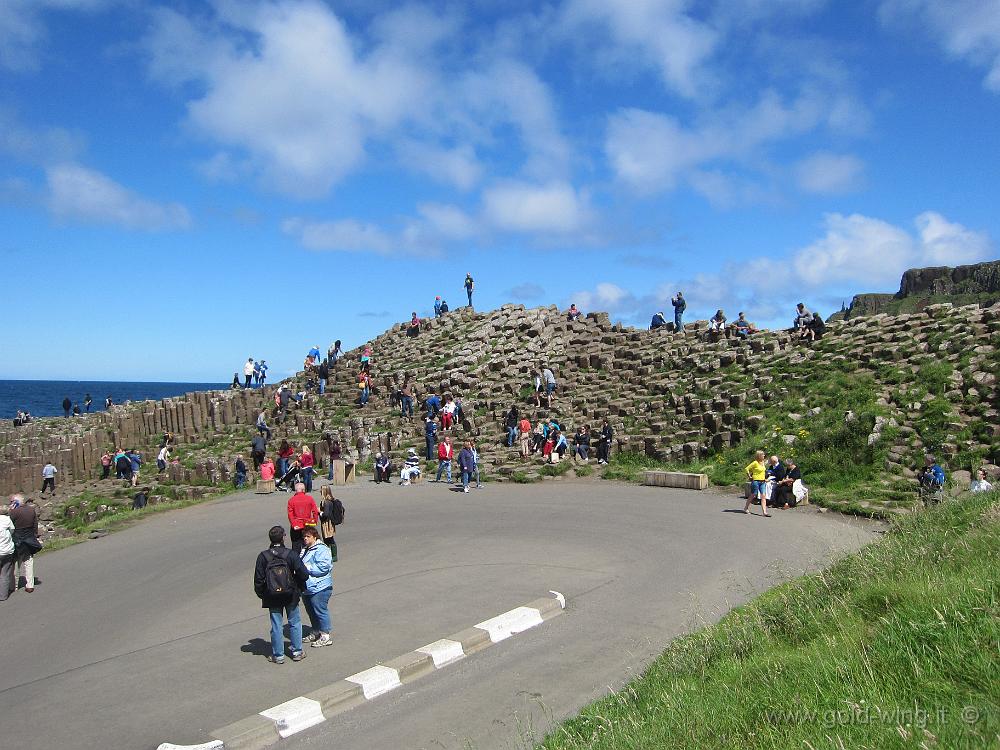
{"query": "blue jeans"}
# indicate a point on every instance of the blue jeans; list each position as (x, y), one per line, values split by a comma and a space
(294, 629)
(442, 464)
(678, 322)
(406, 406)
(322, 386)
(511, 436)
(466, 476)
(431, 445)
(469, 292)
(282, 467)
(307, 477)
(241, 480)
(364, 397)
(329, 475)
(318, 609)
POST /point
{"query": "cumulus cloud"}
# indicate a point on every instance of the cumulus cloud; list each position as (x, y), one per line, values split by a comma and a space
(662, 33)
(874, 252)
(78, 193)
(968, 30)
(827, 173)
(457, 166)
(555, 207)
(37, 145)
(651, 151)
(346, 235)
(448, 221)
(22, 28)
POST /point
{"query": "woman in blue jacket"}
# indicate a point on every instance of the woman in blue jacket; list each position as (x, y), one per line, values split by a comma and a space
(318, 561)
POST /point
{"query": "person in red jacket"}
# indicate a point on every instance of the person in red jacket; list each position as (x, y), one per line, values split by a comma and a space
(302, 512)
(306, 462)
(445, 454)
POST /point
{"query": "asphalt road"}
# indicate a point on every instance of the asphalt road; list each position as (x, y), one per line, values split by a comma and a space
(154, 634)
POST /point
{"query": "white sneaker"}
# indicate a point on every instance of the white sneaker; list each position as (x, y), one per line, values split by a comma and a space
(323, 640)
(465, 489)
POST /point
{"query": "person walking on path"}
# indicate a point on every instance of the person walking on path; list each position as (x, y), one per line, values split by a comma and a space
(430, 436)
(445, 455)
(306, 462)
(680, 305)
(67, 405)
(49, 477)
(467, 464)
(318, 560)
(248, 372)
(87, 401)
(470, 285)
(331, 513)
(756, 472)
(24, 516)
(475, 463)
(302, 512)
(7, 559)
(278, 579)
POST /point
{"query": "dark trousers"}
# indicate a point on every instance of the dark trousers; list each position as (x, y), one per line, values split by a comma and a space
(249, 378)
(258, 459)
(50, 482)
(105, 472)
(7, 582)
(431, 446)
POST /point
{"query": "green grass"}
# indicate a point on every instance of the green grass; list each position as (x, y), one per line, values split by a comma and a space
(556, 470)
(893, 647)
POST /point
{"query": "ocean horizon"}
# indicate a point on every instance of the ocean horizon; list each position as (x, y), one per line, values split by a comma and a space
(43, 398)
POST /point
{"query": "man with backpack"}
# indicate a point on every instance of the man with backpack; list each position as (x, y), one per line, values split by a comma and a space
(278, 579)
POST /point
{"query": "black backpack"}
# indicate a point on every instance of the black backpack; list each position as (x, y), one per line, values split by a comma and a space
(278, 578)
(336, 512)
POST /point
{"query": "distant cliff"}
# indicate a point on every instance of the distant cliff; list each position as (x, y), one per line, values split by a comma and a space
(920, 287)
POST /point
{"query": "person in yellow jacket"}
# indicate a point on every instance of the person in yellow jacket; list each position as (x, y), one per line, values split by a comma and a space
(755, 473)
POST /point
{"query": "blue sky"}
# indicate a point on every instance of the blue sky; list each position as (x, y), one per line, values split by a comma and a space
(185, 184)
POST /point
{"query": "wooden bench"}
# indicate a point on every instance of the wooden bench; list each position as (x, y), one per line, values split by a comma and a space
(679, 479)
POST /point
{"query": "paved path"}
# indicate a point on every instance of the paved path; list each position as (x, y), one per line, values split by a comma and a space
(153, 633)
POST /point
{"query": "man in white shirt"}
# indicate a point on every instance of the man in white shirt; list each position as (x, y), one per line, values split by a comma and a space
(49, 478)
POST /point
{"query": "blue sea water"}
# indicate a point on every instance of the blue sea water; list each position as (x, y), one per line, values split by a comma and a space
(43, 398)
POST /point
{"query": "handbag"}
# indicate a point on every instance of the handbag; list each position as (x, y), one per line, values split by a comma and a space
(26, 544)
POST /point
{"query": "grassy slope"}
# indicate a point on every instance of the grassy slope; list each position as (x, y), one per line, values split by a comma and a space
(895, 646)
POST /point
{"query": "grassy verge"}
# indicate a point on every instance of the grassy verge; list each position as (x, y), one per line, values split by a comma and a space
(893, 647)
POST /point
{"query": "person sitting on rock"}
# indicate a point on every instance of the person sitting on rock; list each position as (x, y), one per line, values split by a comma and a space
(561, 444)
(573, 314)
(267, 470)
(816, 327)
(802, 320)
(931, 480)
(444, 306)
(548, 445)
(538, 435)
(411, 468)
(383, 468)
(743, 327)
(783, 495)
(980, 483)
(717, 324)
(773, 474)
(658, 321)
(448, 413)
(581, 444)
(413, 329)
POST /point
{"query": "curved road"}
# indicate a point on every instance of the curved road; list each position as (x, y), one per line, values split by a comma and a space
(153, 634)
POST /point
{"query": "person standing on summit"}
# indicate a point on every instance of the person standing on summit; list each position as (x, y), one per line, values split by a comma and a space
(87, 401)
(469, 286)
(680, 305)
(67, 405)
(248, 372)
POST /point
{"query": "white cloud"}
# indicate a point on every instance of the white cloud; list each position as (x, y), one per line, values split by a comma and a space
(457, 166)
(947, 244)
(22, 28)
(605, 297)
(346, 235)
(875, 253)
(661, 33)
(37, 145)
(828, 173)
(651, 151)
(78, 193)
(524, 207)
(968, 30)
(448, 221)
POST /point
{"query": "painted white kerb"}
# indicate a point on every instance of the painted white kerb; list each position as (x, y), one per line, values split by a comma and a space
(295, 715)
(517, 620)
(376, 681)
(213, 745)
(443, 652)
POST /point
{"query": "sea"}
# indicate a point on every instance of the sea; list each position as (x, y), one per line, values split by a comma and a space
(43, 398)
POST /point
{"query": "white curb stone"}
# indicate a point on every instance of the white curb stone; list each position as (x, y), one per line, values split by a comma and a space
(517, 620)
(443, 652)
(376, 681)
(295, 715)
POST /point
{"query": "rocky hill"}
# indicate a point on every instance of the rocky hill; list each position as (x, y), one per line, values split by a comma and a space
(912, 382)
(920, 287)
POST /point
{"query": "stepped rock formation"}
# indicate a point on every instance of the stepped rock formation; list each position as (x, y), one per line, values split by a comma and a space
(669, 396)
(920, 287)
